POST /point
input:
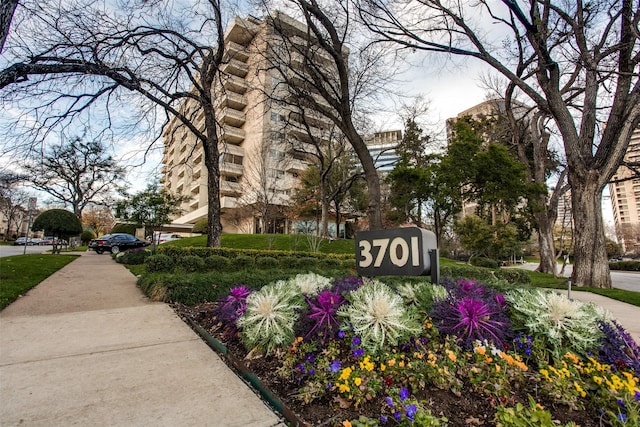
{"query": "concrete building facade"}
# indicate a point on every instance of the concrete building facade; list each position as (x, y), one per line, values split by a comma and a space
(625, 200)
(262, 148)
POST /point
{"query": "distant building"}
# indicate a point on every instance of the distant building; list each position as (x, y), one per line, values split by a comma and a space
(382, 146)
(625, 200)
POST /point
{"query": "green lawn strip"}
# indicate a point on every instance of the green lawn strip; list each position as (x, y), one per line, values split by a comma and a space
(279, 242)
(20, 273)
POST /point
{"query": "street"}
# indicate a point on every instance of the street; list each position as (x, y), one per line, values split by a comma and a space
(627, 280)
(19, 250)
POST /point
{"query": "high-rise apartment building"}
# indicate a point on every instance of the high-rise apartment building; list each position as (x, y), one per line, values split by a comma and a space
(625, 200)
(382, 146)
(263, 146)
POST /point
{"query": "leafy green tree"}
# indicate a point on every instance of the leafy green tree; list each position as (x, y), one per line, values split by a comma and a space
(150, 208)
(481, 238)
(59, 223)
(614, 249)
(201, 226)
(409, 180)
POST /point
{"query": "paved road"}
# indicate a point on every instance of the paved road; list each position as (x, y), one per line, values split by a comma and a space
(19, 250)
(626, 280)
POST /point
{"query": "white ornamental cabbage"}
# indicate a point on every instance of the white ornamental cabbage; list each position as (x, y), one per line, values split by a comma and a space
(563, 323)
(270, 317)
(310, 284)
(378, 316)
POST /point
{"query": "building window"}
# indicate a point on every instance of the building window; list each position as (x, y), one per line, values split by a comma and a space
(231, 158)
(276, 174)
(275, 117)
(276, 154)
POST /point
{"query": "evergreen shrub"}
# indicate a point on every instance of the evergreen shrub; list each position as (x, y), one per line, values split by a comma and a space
(159, 263)
(217, 263)
(243, 262)
(190, 264)
(267, 262)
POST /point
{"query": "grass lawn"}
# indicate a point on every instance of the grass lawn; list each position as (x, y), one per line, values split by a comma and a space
(20, 273)
(279, 242)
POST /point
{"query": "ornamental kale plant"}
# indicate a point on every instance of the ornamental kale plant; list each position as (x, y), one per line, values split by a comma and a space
(310, 283)
(473, 312)
(233, 305)
(270, 316)
(323, 313)
(422, 295)
(561, 324)
(618, 348)
(346, 284)
(378, 316)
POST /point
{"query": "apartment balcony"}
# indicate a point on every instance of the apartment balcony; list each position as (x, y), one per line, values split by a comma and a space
(297, 166)
(229, 116)
(302, 135)
(236, 51)
(194, 205)
(235, 67)
(303, 147)
(228, 188)
(242, 30)
(234, 84)
(227, 202)
(232, 135)
(231, 149)
(231, 169)
(232, 100)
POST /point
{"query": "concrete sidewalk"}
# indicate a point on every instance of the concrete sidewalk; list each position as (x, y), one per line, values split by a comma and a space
(86, 348)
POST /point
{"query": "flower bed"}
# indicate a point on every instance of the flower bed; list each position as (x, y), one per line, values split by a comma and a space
(347, 352)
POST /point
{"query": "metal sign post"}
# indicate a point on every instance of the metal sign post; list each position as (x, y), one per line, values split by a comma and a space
(30, 207)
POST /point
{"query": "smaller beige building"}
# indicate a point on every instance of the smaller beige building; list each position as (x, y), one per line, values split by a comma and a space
(625, 200)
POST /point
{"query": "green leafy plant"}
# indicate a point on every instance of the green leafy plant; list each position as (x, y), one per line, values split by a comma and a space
(159, 263)
(378, 316)
(421, 295)
(533, 415)
(190, 264)
(561, 323)
(270, 317)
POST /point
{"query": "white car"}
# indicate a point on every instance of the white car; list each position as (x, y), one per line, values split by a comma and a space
(164, 238)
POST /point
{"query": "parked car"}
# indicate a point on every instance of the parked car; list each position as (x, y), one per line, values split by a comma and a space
(164, 238)
(21, 241)
(48, 240)
(116, 242)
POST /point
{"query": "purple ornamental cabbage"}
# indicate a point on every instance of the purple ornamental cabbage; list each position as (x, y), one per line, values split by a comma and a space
(473, 312)
(233, 305)
(322, 314)
(346, 284)
(618, 348)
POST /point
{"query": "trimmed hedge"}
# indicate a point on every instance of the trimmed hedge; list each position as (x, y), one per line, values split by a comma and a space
(132, 256)
(195, 288)
(511, 275)
(159, 263)
(478, 261)
(625, 265)
(176, 252)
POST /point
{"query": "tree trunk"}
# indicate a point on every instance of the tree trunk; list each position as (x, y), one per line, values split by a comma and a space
(6, 15)
(211, 160)
(590, 254)
(546, 244)
(324, 226)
